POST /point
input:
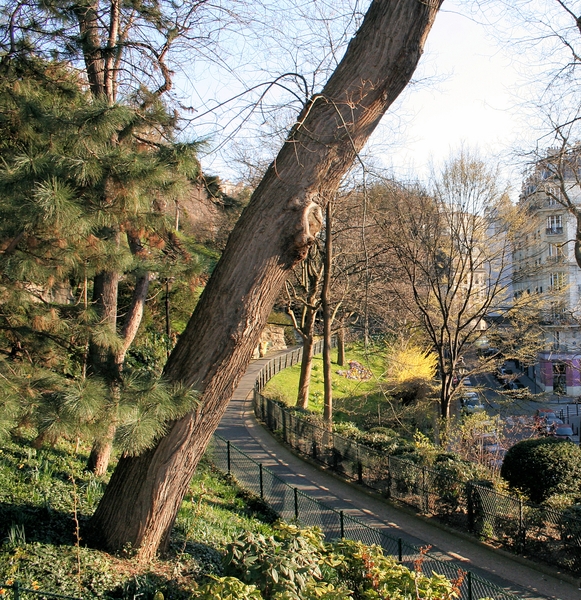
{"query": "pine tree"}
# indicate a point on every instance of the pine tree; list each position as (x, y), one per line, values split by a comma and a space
(78, 173)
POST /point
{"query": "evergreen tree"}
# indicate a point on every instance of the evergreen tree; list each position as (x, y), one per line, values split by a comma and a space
(78, 173)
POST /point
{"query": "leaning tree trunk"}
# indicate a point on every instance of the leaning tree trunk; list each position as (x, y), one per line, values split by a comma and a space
(273, 233)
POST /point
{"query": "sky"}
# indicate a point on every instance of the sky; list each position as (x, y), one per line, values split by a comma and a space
(470, 99)
(465, 94)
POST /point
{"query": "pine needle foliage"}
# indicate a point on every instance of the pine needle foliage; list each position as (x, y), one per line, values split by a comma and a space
(147, 405)
(76, 173)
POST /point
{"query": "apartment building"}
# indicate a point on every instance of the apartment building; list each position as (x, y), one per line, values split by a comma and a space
(544, 264)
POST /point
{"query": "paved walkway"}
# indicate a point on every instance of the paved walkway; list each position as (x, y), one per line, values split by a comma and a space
(522, 578)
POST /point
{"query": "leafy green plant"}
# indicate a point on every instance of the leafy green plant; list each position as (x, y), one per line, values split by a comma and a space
(16, 536)
(284, 562)
(38, 528)
(227, 588)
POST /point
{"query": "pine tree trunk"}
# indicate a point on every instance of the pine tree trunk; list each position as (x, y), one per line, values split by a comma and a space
(273, 233)
(100, 454)
(105, 289)
(101, 449)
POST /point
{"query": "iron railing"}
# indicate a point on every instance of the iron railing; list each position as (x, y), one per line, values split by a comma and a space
(551, 535)
(20, 592)
(294, 505)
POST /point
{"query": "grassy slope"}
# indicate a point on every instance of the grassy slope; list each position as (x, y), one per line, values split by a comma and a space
(38, 494)
(348, 394)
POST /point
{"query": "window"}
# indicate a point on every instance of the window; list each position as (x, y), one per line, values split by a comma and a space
(557, 280)
(554, 224)
(554, 195)
(556, 252)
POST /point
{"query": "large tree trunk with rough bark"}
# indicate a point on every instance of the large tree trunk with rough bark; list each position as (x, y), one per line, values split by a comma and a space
(273, 233)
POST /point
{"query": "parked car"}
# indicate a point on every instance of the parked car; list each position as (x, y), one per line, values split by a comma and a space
(563, 432)
(472, 405)
(491, 352)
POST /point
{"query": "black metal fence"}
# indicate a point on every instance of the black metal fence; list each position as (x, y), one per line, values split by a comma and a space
(551, 535)
(20, 592)
(292, 504)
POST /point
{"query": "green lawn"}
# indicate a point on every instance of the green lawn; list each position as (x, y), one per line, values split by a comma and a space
(44, 493)
(348, 394)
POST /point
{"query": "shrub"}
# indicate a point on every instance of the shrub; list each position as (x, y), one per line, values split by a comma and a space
(227, 588)
(543, 467)
(450, 475)
(370, 574)
(295, 564)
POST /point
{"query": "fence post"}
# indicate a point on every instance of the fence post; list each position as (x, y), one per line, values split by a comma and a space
(16, 590)
(359, 472)
(470, 507)
(284, 426)
(425, 499)
(228, 456)
(335, 454)
(469, 581)
(261, 481)
(399, 549)
(296, 491)
(521, 527)
(342, 522)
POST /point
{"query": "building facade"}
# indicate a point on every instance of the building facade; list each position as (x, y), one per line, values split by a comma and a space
(544, 264)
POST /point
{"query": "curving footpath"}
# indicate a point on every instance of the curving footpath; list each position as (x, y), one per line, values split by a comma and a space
(518, 576)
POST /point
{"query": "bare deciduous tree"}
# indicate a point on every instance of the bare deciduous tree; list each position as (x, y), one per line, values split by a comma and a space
(453, 246)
